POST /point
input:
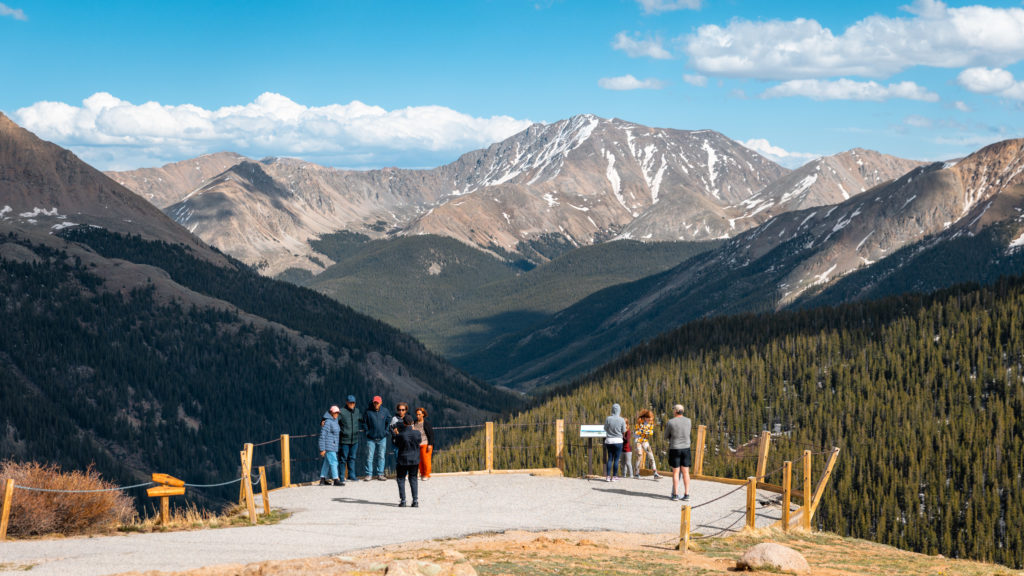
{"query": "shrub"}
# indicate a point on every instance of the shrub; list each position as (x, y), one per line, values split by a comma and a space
(38, 513)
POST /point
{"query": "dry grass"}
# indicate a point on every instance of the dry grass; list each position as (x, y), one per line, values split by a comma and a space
(191, 517)
(42, 513)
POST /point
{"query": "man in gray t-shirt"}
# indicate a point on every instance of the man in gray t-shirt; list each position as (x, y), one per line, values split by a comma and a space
(678, 433)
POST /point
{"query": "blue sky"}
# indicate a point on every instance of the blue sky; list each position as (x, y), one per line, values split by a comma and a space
(414, 84)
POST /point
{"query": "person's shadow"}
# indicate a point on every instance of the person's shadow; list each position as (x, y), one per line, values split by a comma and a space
(358, 501)
(631, 493)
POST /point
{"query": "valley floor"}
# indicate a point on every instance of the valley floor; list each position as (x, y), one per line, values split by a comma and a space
(328, 521)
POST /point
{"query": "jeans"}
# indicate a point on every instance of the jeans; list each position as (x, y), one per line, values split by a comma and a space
(627, 464)
(403, 470)
(348, 459)
(374, 463)
(330, 465)
(612, 462)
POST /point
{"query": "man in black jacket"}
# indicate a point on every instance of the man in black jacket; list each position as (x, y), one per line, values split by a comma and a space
(348, 420)
(408, 442)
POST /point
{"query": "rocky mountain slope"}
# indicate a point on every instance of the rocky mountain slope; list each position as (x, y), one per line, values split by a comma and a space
(170, 183)
(785, 260)
(138, 336)
(552, 187)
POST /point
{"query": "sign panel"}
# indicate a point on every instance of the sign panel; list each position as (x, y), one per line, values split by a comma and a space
(167, 479)
(160, 491)
(592, 431)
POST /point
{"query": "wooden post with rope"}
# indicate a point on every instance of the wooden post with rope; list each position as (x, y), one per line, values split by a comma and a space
(751, 501)
(286, 461)
(819, 490)
(263, 490)
(805, 520)
(246, 470)
(560, 445)
(684, 530)
(489, 447)
(5, 515)
(698, 464)
(246, 487)
(762, 454)
(787, 493)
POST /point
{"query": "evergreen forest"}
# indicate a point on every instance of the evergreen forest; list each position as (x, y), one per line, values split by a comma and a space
(924, 395)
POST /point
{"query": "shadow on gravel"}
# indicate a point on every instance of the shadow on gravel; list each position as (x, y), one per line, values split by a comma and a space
(358, 501)
(631, 493)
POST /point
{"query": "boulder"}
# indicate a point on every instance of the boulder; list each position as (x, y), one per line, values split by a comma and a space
(776, 557)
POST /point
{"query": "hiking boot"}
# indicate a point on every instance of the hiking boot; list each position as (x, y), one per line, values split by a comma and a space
(401, 504)
(324, 482)
(338, 482)
(415, 503)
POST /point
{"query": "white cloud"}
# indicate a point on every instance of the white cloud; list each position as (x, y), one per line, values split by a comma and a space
(778, 154)
(629, 82)
(918, 121)
(649, 47)
(696, 79)
(846, 89)
(961, 106)
(877, 46)
(658, 6)
(116, 134)
(16, 13)
(992, 81)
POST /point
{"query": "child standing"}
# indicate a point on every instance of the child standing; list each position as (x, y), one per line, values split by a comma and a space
(627, 454)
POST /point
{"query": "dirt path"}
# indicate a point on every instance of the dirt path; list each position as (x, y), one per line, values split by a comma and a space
(336, 520)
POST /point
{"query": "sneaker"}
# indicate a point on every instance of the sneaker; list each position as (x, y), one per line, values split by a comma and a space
(338, 482)
(415, 503)
(366, 478)
(382, 478)
(614, 479)
(656, 476)
(323, 481)
(608, 479)
(401, 504)
(686, 498)
(675, 497)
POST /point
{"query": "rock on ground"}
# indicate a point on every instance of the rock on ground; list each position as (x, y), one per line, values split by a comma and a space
(769, 555)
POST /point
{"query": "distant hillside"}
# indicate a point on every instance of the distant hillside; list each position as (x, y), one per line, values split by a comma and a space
(923, 394)
(455, 298)
(788, 260)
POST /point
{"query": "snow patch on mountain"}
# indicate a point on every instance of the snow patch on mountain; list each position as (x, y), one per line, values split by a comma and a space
(800, 188)
(712, 172)
(4, 211)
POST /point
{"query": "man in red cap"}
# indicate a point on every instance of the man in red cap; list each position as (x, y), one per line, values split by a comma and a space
(375, 422)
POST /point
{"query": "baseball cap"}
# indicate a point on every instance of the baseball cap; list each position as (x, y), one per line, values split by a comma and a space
(335, 409)
(378, 399)
(350, 398)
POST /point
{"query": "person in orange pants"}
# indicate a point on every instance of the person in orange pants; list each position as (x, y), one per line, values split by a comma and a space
(426, 442)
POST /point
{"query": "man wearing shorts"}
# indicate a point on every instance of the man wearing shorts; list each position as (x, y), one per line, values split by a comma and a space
(678, 433)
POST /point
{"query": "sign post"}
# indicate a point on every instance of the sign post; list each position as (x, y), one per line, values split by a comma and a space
(591, 431)
(168, 486)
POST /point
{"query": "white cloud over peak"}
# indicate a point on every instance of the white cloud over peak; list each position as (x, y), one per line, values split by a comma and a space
(846, 89)
(991, 81)
(658, 6)
(629, 82)
(877, 46)
(116, 134)
(16, 13)
(634, 48)
(778, 154)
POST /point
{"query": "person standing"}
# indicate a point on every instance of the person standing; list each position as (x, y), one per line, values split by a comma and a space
(408, 462)
(348, 421)
(375, 422)
(678, 433)
(627, 454)
(644, 434)
(328, 444)
(426, 443)
(614, 428)
(401, 409)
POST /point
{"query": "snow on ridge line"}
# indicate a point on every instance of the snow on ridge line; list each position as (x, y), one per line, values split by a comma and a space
(1018, 243)
(4, 211)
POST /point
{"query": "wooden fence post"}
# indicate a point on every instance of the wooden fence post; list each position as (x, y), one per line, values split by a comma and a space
(762, 454)
(246, 470)
(751, 501)
(684, 530)
(246, 487)
(806, 519)
(819, 490)
(165, 511)
(787, 493)
(560, 445)
(286, 461)
(489, 446)
(263, 489)
(698, 465)
(5, 515)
